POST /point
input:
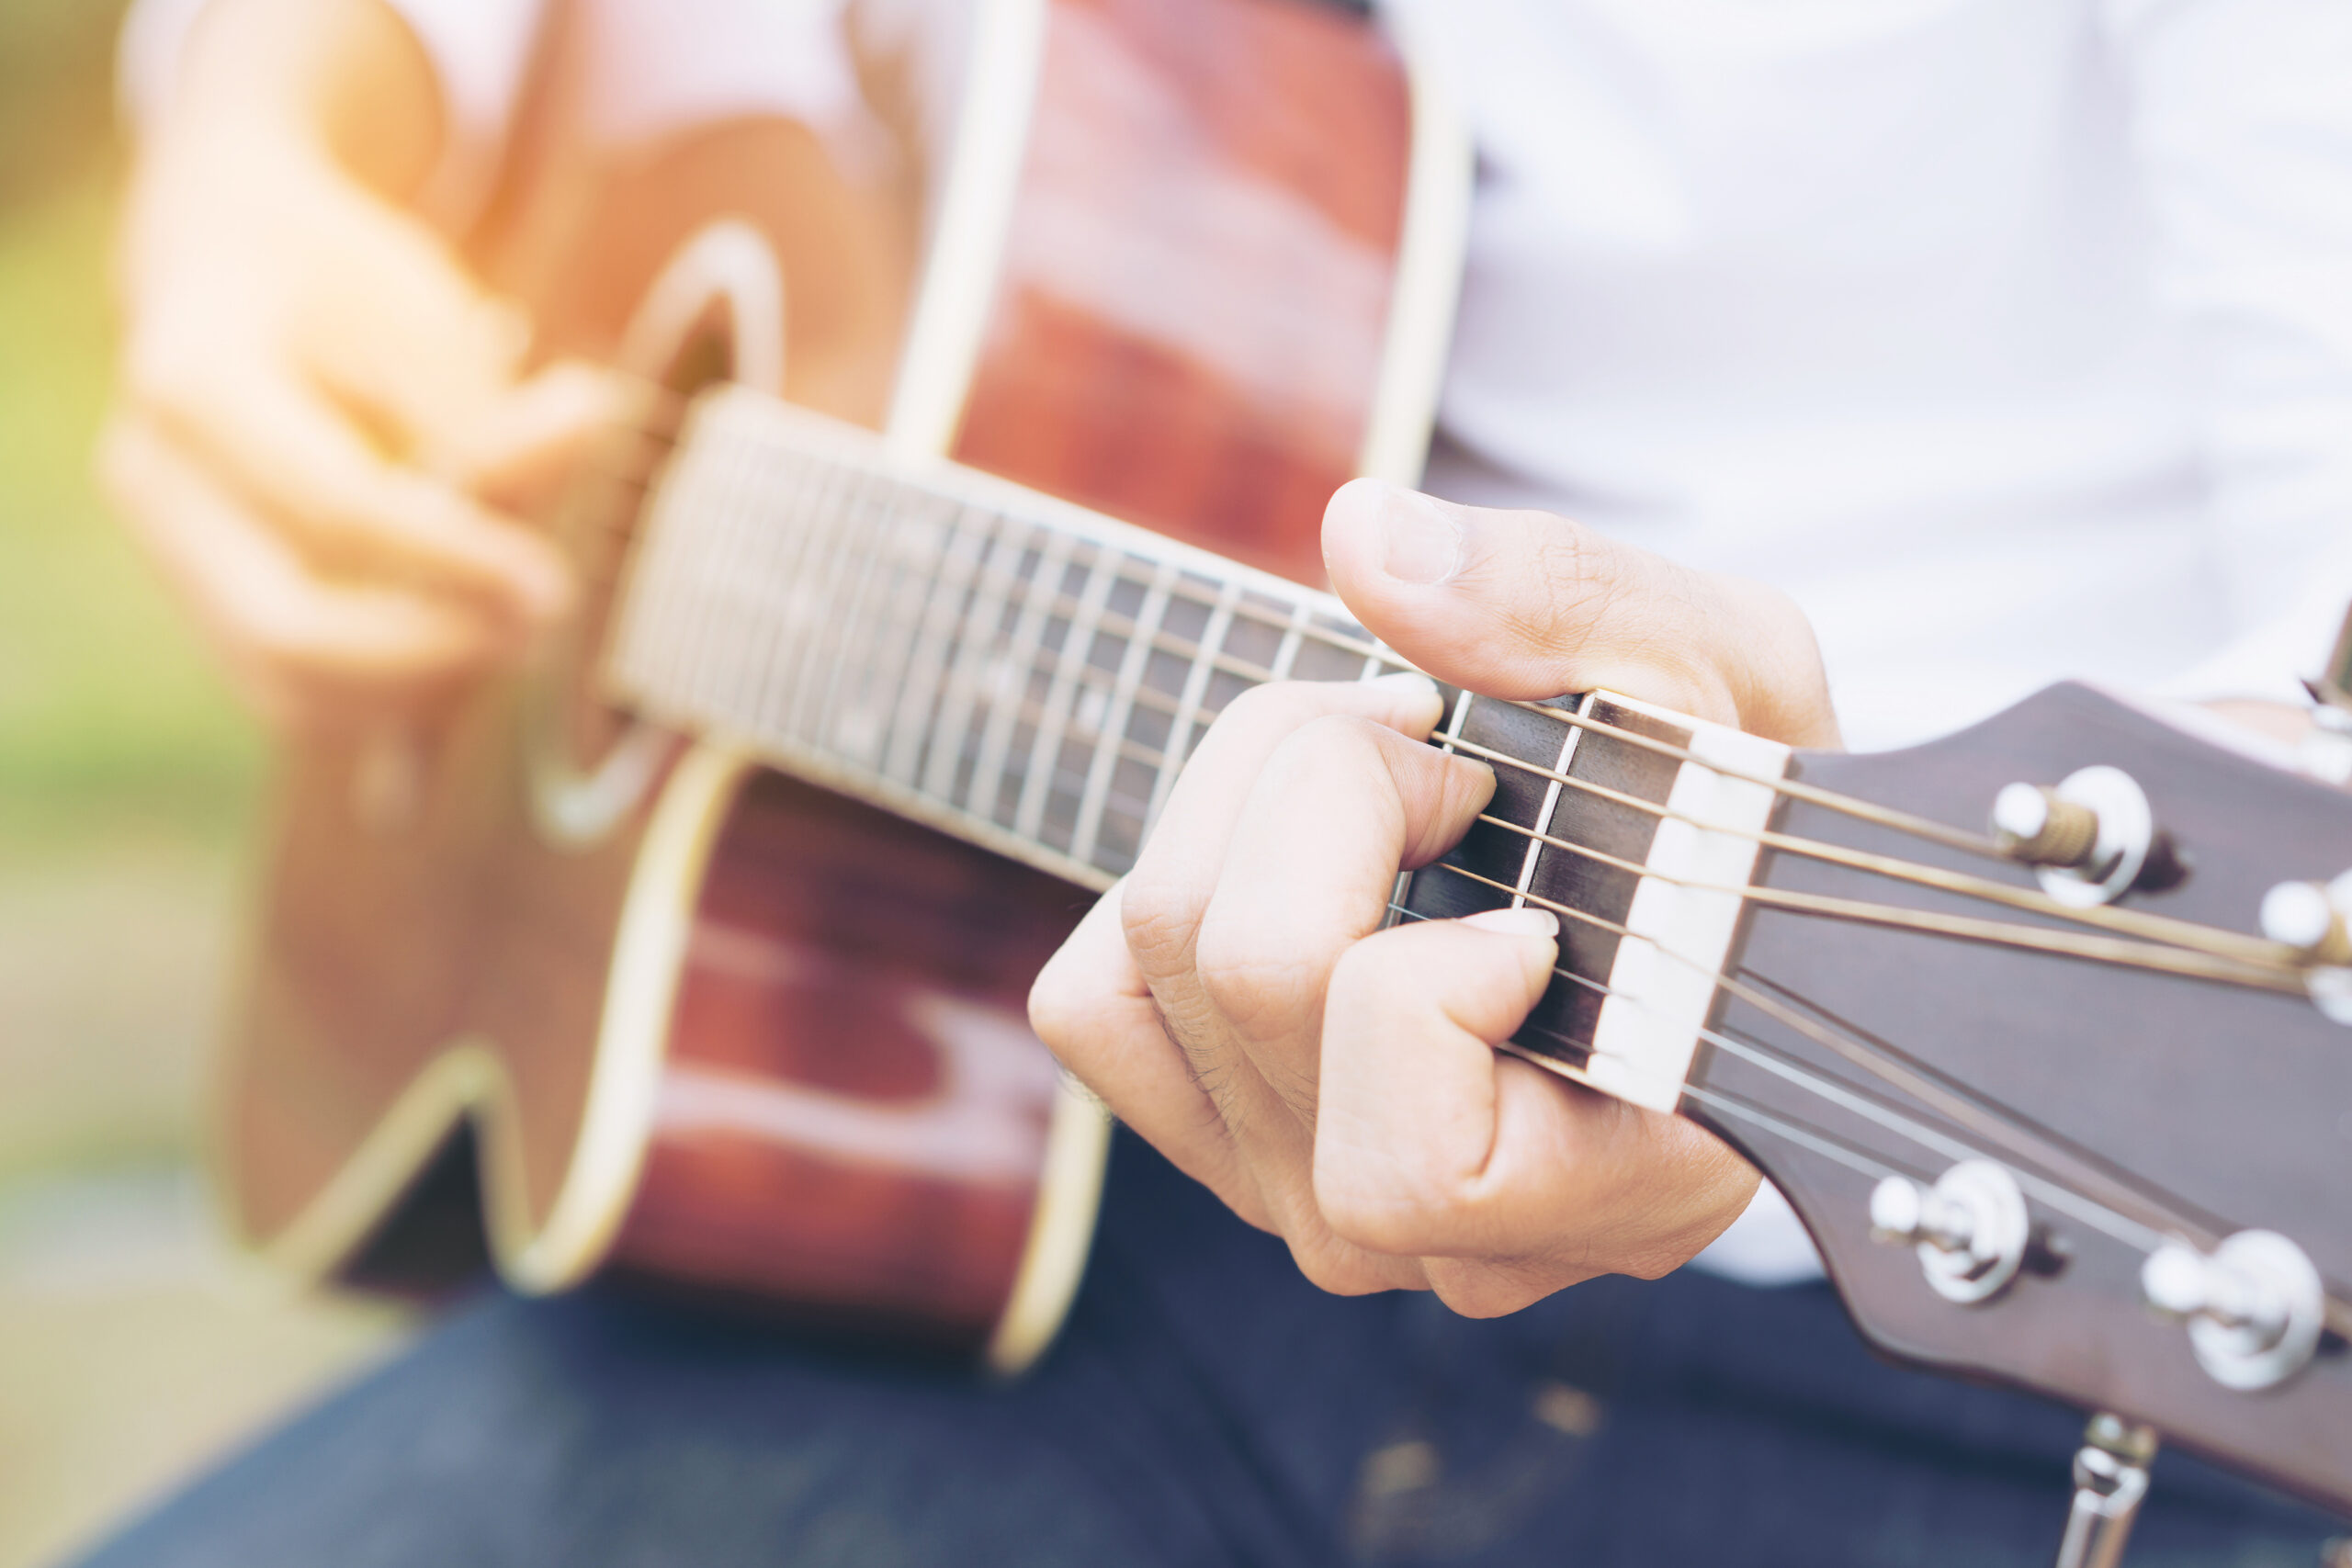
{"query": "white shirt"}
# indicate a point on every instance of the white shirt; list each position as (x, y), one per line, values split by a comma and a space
(2013, 338)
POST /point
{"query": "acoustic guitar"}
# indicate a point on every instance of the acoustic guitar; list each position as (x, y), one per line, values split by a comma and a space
(551, 984)
(706, 947)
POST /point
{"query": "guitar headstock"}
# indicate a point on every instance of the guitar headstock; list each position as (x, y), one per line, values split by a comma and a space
(2018, 1125)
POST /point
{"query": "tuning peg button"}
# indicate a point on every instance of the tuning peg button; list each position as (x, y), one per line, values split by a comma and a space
(2088, 839)
(2031, 824)
(2255, 1307)
(2315, 919)
(1970, 1229)
(2300, 915)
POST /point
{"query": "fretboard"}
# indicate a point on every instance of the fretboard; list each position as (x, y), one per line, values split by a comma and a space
(1019, 672)
(1030, 676)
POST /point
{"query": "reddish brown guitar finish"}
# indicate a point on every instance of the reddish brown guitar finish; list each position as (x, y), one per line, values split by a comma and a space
(848, 1116)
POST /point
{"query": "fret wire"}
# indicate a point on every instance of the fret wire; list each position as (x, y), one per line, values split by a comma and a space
(968, 541)
(866, 547)
(831, 623)
(1141, 640)
(1301, 616)
(1188, 705)
(733, 572)
(1010, 679)
(1446, 739)
(982, 626)
(1232, 664)
(1570, 735)
(866, 627)
(705, 667)
(766, 540)
(1078, 647)
(921, 536)
(1032, 710)
(787, 584)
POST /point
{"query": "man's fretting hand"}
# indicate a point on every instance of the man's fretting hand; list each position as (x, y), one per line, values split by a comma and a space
(1236, 1002)
(316, 399)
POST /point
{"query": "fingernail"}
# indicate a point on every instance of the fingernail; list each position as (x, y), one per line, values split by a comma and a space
(1424, 537)
(1405, 681)
(1525, 921)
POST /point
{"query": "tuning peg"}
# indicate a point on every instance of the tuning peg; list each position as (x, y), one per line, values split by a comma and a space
(2315, 919)
(2303, 916)
(1970, 1229)
(2253, 1307)
(2031, 823)
(2089, 839)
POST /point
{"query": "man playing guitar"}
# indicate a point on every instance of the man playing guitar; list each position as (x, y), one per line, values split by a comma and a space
(1971, 343)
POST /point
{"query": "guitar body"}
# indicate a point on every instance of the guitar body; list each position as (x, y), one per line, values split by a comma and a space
(558, 986)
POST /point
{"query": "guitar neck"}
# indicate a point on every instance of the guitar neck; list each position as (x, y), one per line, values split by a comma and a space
(1013, 669)
(1030, 676)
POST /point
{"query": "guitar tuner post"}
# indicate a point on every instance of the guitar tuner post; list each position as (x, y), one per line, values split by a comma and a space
(1970, 1230)
(2255, 1307)
(2089, 839)
(2315, 919)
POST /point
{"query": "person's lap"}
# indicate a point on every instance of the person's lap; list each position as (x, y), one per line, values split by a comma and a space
(1205, 1406)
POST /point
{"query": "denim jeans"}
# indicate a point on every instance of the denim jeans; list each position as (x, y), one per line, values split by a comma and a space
(1204, 1406)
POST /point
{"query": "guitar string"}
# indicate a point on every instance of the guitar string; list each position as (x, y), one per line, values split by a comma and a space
(1997, 1125)
(2239, 951)
(2155, 1224)
(2134, 955)
(2190, 951)
(2234, 955)
(2160, 928)
(1284, 621)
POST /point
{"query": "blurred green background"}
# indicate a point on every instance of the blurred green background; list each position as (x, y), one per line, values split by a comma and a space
(131, 1346)
(109, 719)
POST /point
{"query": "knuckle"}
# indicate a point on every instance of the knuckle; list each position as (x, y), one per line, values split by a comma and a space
(1158, 914)
(1058, 1004)
(1257, 973)
(1333, 1266)
(1274, 703)
(1379, 976)
(1373, 1205)
(1388, 1221)
(1331, 741)
(1570, 586)
(1488, 1290)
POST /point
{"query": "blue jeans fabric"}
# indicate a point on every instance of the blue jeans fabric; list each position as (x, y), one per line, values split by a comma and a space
(1205, 1406)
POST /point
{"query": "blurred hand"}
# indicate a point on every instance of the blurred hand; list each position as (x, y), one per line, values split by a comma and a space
(1236, 1001)
(319, 413)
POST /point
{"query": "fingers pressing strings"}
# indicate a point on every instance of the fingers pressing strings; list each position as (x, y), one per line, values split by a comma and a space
(2237, 958)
